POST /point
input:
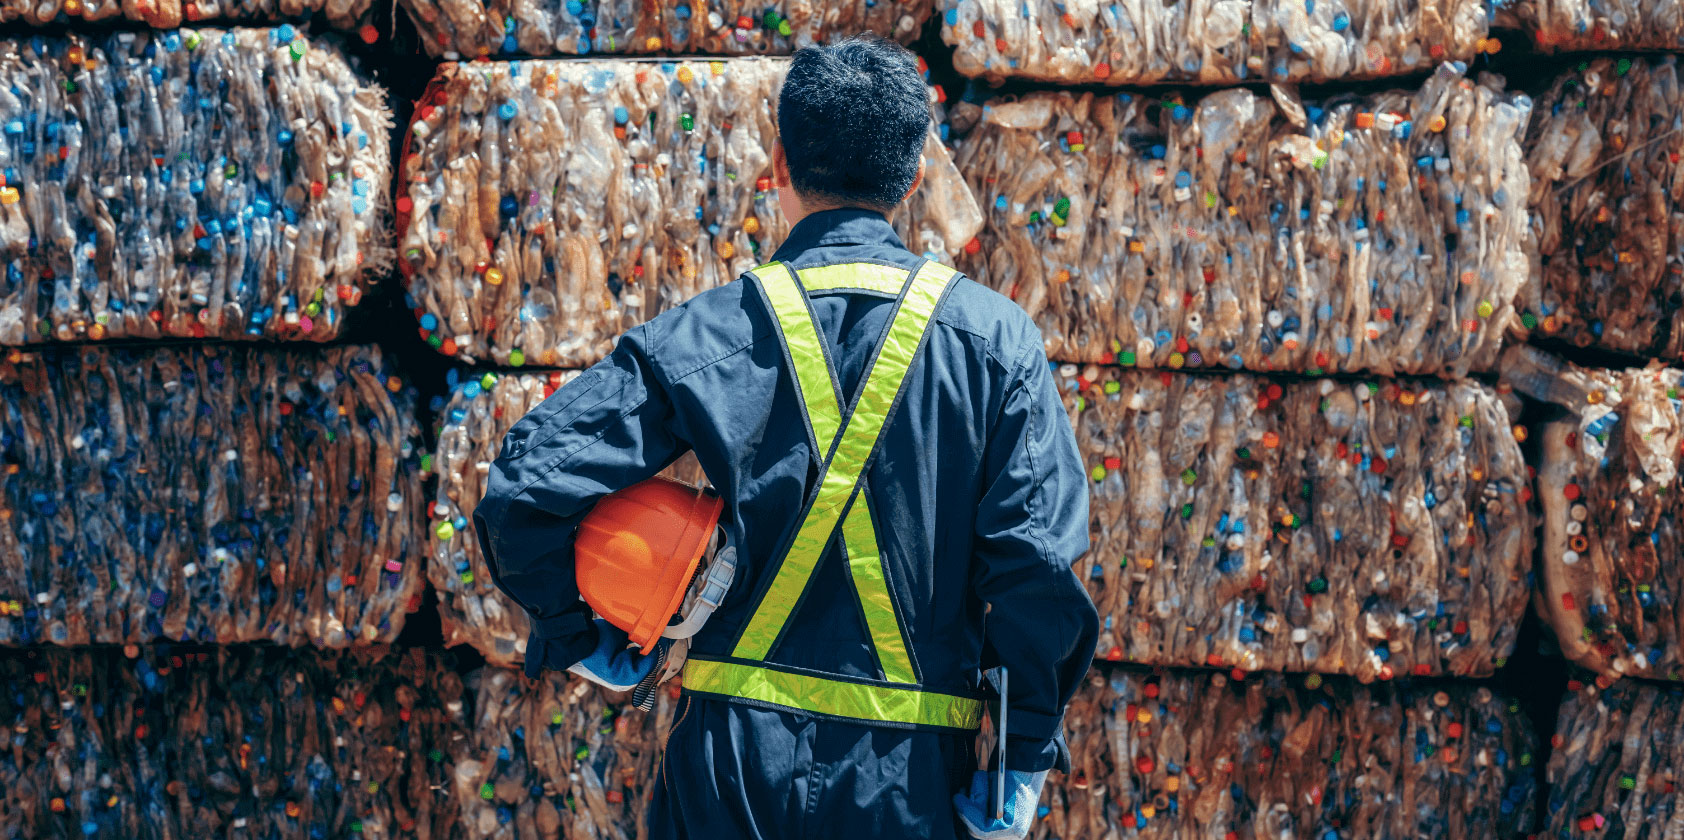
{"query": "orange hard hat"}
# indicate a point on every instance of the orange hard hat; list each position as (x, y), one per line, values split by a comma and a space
(637, 550)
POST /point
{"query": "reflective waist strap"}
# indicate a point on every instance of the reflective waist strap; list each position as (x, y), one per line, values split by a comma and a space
(843, 699)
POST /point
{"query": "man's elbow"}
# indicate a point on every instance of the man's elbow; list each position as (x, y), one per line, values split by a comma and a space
(492, 513)
(500, 492)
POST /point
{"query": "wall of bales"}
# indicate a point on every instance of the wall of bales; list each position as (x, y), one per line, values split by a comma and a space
(1366, 318)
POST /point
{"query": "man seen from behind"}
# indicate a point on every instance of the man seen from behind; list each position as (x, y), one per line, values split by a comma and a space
(896, 479)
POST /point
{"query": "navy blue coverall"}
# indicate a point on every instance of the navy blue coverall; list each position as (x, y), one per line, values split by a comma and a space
(980, 503)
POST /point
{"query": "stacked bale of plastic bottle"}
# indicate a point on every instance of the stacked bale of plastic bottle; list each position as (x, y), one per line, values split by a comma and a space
(548, 206)
(1577, 25)
(1263, 310)
(1222, 42)
(1370, 527)
(226, 187)
(1376, 528)
(455, 29)
(470, 428)
(1604, 152)
(555, 758)
(215, 494)
(188, 184)
(197, 184)
(1606, 180)
(1378, 234)
(1186, 754)
(169, 14)
(244, 741)
(1616, 759)
(1611, 560)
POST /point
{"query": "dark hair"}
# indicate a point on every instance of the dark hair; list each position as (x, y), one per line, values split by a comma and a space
(852, 117)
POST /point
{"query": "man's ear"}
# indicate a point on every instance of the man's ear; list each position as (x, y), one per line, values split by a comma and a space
(780, 166)
(915, 181)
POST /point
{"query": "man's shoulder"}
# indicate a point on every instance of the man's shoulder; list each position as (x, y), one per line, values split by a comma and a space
(706, 328)
(974, 308)
(720, 321)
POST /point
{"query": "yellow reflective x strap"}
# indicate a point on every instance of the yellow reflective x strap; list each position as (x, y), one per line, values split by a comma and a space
(824, 416)
(851, 453)
(805, 353)
(839, 698)
(871, 583)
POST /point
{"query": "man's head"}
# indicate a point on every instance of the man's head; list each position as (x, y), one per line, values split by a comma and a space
(852, 119)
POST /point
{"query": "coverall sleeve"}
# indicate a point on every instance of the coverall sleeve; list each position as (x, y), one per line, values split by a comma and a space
(1031, 525)
(606, 430)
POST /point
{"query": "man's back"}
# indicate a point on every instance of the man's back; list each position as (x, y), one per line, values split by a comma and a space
(926, 488)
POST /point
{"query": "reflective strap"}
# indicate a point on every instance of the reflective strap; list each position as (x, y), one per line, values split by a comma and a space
(847, 463)
(859, 535)
(869, 276)
(805, 353)
(865, 566)
(838, 698)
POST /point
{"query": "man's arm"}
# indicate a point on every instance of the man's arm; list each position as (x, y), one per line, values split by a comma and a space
(1032, 524)
(604, 431)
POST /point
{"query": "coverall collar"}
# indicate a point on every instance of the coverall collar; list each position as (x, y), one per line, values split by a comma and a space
(845, 226)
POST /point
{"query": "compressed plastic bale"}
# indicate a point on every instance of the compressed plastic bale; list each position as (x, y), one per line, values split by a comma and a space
(458, 28)
(1221, 42)
(1608, 207)
(558, 757)
(169, 14)
(213, 494)
(1574, 25)
(232, 742)
(1187, 754)
(1376, 529)
(480, 410)
(1616, 761)
(67, 771)
(1385, 234)
(188, 184)
(1612, 559)
(291, 743)
(550, 206)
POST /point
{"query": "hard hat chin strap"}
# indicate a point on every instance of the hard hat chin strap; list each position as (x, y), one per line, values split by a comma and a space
(713, 588)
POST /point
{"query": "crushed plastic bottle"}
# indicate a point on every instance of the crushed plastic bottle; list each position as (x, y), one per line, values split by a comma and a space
(239, 741)
(1615, 764)
(549, 206)
(1603, 25)
(207, 494)
(189, 184)
(1371, 528)
(1385, 234)
(1221, 42)
(1611, 488)
(1604, 153)
(480, 410)
(1175, 754)
(170, 14)
(471, 28)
